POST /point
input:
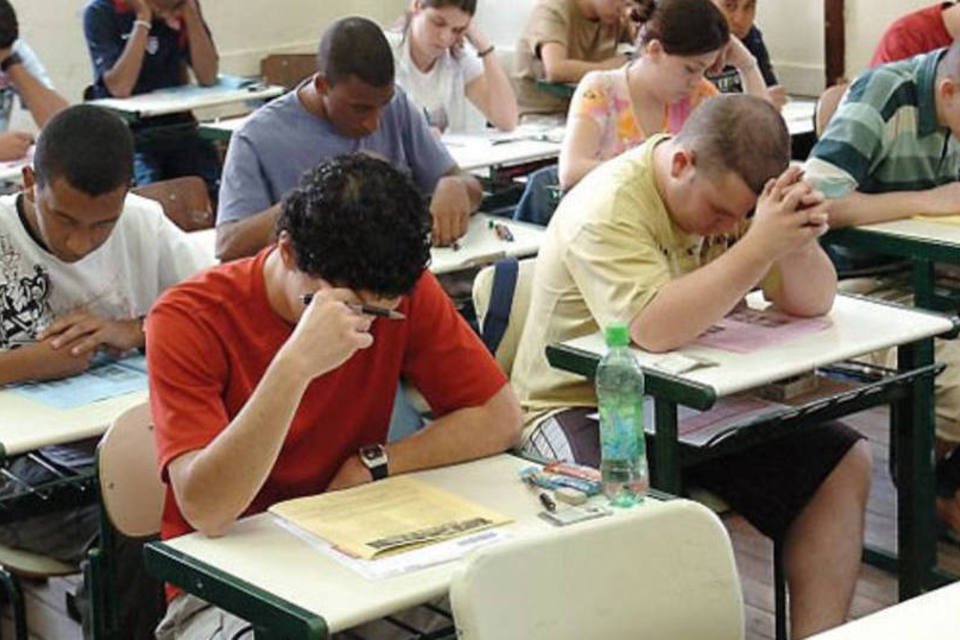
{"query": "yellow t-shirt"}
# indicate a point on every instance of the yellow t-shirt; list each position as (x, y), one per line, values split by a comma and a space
(559, 21)
(610, 247)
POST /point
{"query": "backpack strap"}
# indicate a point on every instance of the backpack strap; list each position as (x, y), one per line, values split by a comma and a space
(501, 300)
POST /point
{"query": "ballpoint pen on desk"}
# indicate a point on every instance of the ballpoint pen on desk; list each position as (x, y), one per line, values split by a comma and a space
(366, 309)
(547, 502)
(503, 231)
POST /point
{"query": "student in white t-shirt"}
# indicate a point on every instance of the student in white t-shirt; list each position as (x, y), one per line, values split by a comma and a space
(81, 262)
(444, 60)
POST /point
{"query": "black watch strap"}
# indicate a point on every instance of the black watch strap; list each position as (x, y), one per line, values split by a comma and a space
(9, 61)
(374, 458)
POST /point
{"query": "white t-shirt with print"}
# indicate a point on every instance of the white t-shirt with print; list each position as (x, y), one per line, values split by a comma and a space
(443, 88)
(144, 254)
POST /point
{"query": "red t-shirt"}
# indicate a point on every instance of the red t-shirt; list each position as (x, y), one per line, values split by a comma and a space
(914, 33)
(211, 338)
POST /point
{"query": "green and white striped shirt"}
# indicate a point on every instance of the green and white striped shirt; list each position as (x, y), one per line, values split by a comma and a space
(885, 136)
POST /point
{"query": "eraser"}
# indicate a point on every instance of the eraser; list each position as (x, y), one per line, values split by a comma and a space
(569, 495)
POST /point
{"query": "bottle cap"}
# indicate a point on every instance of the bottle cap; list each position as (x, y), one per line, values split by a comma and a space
(616, 335)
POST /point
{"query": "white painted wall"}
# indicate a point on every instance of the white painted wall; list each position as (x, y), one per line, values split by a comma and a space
(793, 31)
(247, 30)
(866, 20)
(244, 30)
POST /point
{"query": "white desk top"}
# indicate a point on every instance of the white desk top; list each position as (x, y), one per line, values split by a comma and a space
(187, 98)
(479, 247)
(798, 113)
(931, 616)
(26, 424)
(288, 567)
(859, 326)
(482, 246)
(919, 229)
(481, 151)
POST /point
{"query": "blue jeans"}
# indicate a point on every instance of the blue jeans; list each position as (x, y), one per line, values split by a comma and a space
(404, 420)
(540, 197)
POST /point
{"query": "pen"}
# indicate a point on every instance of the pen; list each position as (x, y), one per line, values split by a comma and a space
(503, 231)
(547, 502)
(366, 309)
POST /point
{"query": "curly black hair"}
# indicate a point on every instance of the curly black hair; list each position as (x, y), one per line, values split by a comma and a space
(9, 28)
(359, 223)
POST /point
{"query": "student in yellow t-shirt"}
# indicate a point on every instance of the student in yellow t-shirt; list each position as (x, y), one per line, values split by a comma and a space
(655, 238)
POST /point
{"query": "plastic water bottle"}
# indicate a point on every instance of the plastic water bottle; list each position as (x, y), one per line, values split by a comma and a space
(623, 458)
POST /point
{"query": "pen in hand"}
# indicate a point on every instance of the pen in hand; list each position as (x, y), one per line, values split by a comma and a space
(366, 309)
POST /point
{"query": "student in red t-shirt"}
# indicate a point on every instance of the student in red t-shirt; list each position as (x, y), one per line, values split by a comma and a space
(258, 397)
(920, 31)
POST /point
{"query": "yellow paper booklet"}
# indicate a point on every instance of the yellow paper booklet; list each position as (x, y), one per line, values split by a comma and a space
(955, 220)
(394, 514)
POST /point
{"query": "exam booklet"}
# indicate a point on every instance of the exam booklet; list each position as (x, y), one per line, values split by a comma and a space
(380, 518)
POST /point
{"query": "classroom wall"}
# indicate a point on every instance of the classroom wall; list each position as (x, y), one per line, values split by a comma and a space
(866, 21)
(245, 31)
(793, 31)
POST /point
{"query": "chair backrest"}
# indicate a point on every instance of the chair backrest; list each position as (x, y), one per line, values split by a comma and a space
(665, 572)
(130, 487)
(185, 201)
(287, 69)
(482, 287)
(826, 106)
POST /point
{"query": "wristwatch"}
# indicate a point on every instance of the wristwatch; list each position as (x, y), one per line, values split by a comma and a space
(374, 458)
(9, 61)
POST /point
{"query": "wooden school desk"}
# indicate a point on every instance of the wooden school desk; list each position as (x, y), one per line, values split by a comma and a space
(932, 616)
(922, 241)
(228, 90)
(279, 582)
(479, 247)
(859, 326)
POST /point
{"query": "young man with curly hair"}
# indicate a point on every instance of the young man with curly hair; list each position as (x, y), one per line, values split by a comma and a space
(259, 396)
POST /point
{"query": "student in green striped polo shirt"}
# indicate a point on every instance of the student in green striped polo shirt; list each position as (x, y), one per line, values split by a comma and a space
(892, 150)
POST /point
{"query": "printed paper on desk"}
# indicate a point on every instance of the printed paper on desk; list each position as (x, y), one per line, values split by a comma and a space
(746, 329)
(954, 220)
(383, 517)
(109, 379)
(405, 562)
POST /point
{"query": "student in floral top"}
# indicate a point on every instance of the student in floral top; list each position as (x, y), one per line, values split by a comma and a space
(615, 110)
